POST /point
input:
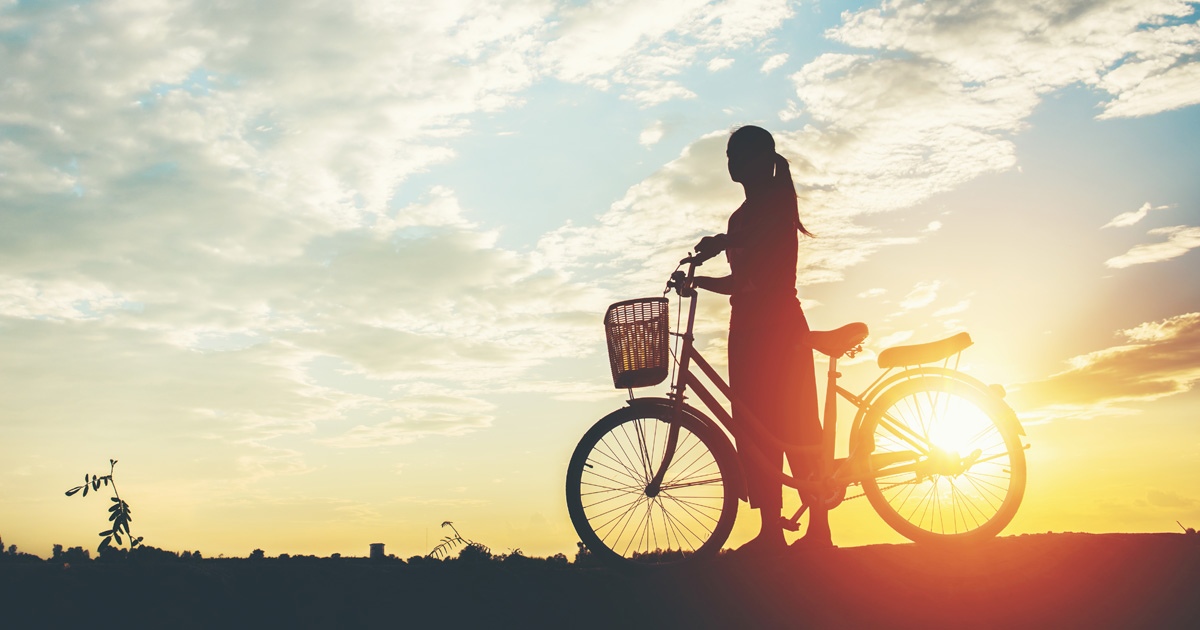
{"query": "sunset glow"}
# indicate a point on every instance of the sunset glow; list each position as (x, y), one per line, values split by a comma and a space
(330, 275)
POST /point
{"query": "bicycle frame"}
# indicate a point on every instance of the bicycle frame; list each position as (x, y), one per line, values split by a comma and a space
(834, 475)
(685, 379)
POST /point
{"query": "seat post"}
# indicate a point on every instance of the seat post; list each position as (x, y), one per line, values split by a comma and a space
(829, 428)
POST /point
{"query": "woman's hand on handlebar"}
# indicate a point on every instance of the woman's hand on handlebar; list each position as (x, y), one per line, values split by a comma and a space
(708, 247)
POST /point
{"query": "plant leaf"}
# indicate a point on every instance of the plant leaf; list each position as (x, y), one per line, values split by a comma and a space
(85, 489)
(74, 490)
(114, 499)
(117, 535)
(105, 532)
(104, 543)
(114, 516)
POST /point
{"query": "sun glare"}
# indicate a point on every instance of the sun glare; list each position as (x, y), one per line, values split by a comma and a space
(962, 429)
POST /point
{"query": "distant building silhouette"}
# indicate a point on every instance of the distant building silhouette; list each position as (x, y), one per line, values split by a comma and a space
(377, 551)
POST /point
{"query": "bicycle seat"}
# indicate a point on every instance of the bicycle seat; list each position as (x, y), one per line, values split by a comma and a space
(838, 341)
(917, 354)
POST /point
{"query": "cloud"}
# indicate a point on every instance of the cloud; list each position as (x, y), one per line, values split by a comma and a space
(1129, 48)
(951, 310)
(1169, 499)
(873, 293)
(1158, 359)
(1180, 240)
(930, 95)
(652, 134)
(418, 418)
(1126, 219)
(773, 62)
(719, 63)
(640, 44)
(893, 339)
(923, 294)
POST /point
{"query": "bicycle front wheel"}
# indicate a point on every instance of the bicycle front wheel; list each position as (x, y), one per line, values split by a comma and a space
(952, 467)
(620, 519)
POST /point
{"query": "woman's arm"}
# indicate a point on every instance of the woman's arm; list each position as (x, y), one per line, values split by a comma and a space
(722, 285)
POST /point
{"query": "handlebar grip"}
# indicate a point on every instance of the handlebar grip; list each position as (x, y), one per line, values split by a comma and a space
(700, 258)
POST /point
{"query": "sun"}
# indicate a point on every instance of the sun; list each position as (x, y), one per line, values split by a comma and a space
(962, 428)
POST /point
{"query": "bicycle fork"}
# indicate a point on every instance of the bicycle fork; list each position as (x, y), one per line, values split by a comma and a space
(655, 485)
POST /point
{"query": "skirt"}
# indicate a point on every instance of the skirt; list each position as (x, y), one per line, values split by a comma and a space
(771, 373)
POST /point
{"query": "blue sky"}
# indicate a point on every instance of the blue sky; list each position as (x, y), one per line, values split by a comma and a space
(336, 273)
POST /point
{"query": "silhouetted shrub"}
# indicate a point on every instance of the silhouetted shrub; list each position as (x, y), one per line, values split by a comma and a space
(153, 555)
(257, 554)
(14, 556)
(112, 554)
(77, 555)
(584, 557)
(475, 552)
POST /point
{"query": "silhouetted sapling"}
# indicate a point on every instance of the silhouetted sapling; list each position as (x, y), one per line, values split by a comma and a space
(119, 513)
(472, 551)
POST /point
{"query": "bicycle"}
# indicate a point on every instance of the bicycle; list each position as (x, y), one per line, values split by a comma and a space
(937, 452)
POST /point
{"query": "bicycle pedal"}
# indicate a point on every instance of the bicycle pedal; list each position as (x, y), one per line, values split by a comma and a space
(789, 524)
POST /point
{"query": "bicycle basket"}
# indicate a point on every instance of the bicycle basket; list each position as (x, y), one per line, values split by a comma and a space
(637, 342)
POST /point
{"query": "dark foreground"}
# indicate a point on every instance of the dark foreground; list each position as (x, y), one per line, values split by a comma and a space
(1038, 581)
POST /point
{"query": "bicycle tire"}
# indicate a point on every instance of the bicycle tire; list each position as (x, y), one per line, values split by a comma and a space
(608, 474)
(960, 427)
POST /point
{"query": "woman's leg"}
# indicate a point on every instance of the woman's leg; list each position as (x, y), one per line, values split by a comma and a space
(754, 385)
(807, 430)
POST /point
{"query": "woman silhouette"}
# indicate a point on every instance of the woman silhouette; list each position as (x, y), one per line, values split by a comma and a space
(770, 356)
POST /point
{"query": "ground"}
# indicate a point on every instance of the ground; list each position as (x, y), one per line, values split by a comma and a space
(1031, 581)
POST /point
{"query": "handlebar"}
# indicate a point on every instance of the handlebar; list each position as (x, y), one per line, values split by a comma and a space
(698, 259)
(681, 282)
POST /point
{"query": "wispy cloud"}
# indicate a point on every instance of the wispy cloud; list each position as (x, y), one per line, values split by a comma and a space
(1126, 219)
(639, 45)
(953, 309)
(652, 134)
(923, 294)
(1180, 240)
(773, 62)
(720, 63)
(1158, 359)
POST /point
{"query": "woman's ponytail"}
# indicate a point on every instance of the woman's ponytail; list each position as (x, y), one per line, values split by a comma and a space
(787, 190)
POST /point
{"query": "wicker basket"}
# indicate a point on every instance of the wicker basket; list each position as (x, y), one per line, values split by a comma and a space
(637, 342)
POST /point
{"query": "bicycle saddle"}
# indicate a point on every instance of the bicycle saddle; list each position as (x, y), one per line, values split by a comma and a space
(838, 341)
(901, 356)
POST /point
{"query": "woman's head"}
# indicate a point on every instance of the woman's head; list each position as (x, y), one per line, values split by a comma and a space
(751, 154)
(754, 163)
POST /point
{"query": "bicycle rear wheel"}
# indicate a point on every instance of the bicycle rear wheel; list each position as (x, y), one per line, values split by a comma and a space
(617, 519)
(953, 465)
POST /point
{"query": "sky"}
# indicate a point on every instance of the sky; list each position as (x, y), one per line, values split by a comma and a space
(326, 274)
